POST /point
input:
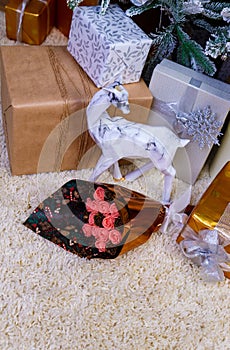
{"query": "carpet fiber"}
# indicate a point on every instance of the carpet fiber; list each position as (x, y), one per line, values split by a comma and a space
(149, 298)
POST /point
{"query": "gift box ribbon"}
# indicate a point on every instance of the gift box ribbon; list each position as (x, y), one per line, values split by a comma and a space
(175, 218)
(185, 104)
(206, 248)
(21, 12)
(61, 134)
(118, 70)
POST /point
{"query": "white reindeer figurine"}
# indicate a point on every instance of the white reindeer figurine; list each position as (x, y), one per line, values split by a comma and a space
(119, 138)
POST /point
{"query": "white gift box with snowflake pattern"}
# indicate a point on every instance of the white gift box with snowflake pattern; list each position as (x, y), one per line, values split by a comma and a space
(108, 46)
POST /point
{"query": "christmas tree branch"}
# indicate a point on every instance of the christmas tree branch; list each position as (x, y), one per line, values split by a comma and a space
(202, 23)
(104, 6)
(190, 53)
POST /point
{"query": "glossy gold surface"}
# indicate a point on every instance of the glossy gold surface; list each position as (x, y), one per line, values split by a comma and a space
(211, 207)
(38, 19)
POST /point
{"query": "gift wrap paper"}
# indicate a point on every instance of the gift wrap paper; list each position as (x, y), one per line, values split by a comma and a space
(109, 46)
(96, 220)
(222, 155)
(44, 98)
(186, 91)
(37, 20)
(214, 203)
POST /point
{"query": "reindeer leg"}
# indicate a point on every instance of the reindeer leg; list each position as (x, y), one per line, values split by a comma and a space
(102, 165)
(117, 176)
(133, 175)
(169, 174)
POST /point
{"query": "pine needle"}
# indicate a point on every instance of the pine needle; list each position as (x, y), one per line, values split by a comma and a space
(190, 53)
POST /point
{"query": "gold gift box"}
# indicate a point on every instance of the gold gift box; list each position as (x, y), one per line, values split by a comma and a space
(37, 20)
(210, 208)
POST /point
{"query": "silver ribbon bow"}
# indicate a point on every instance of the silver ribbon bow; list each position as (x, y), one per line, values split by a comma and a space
(200, 124)
(206, 249)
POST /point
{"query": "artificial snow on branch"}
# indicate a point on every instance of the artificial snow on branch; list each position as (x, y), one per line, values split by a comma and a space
(218, 44)
(175, 38)
(73, 3)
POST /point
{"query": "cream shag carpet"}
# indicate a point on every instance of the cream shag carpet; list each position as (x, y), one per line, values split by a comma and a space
(150, 298)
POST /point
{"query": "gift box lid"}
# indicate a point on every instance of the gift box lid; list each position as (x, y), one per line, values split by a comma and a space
(37, 76)
(124, 30)
(31, 65)
(33, 8)
(187, 75)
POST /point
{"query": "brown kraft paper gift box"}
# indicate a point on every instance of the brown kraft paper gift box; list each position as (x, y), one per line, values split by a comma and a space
(44, 98)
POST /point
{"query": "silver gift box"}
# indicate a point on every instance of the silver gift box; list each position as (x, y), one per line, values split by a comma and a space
(176, 88)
